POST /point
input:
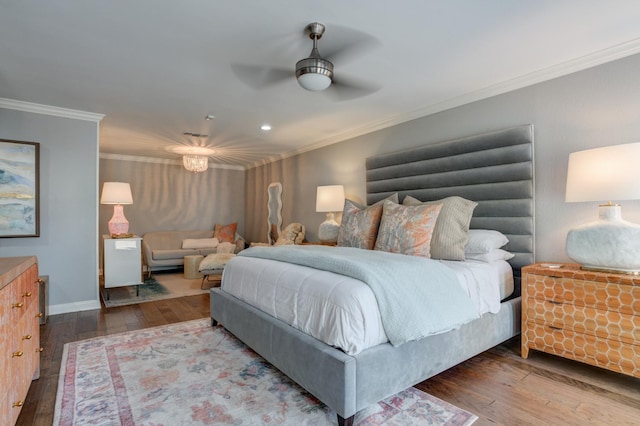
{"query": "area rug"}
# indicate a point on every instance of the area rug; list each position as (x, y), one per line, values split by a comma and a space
(161, 285)
(191, 373)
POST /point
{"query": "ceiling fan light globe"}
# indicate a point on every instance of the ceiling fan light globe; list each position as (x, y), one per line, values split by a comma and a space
(314, 82)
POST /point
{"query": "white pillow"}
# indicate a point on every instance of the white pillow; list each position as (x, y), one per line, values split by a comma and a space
(198, 243)
(493, 256)
(483, 241)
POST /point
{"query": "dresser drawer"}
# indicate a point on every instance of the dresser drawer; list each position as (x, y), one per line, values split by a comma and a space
(20, 296)
(598, 295)
(582, 319)
(610, 354)
(13, 305)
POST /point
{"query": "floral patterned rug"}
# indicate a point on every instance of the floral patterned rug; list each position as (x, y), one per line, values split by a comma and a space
(191, 373)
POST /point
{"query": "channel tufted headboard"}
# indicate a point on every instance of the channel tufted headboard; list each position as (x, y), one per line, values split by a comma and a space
(494, 169)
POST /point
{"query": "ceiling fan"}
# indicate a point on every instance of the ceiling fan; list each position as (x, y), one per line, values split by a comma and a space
(315, 72)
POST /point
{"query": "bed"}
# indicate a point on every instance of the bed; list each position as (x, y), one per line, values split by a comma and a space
(493, 169)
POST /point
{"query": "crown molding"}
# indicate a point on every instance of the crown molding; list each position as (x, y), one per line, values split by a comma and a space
(604, 56)
(143, 159)
(50, 110)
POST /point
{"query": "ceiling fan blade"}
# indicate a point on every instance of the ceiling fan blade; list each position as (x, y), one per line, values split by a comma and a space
(342, 44)
(261, 77)
(344, 88)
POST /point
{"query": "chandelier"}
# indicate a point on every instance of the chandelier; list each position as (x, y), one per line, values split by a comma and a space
(194, 158)
(195, 163)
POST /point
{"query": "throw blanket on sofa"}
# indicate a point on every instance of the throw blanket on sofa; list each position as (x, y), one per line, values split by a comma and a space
(417, 297)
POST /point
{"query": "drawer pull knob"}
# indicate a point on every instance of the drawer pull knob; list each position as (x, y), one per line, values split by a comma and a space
(18, 353)
(40, 315)
(40, 349)
(17, 305)
(27, 294)
(39, 281)
(26, 337)
(17, 404)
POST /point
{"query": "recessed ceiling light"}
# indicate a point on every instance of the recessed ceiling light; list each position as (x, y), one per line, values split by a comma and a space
(209, 117)
(265, 127)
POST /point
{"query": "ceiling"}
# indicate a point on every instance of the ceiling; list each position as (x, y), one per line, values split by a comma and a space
(156, 68)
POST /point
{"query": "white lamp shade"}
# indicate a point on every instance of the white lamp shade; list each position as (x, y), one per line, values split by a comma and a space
(116, 193)
(330, 198)
(604, 174)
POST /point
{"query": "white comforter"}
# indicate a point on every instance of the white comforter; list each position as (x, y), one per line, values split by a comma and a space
(339, 310)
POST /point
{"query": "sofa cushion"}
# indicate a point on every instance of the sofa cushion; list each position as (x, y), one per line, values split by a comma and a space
(173, 253)
(207, 251)
(198, 243)
(165, 240)
(226, 248)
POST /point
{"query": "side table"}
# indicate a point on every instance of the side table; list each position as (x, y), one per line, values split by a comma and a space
(591, 317)
(122, 262)
(191, 265)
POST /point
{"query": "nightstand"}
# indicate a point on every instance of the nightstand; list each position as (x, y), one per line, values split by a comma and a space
(592, 317)
(122, 262)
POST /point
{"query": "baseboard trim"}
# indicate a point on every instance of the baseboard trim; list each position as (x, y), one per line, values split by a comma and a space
(65, 308)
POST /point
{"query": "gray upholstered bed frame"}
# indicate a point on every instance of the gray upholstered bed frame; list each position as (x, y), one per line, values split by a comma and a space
(494, 169)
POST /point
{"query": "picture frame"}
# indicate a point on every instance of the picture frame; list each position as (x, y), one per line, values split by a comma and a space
(19, 189)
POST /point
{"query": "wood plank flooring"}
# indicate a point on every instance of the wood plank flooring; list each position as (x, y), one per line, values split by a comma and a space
(498, 386)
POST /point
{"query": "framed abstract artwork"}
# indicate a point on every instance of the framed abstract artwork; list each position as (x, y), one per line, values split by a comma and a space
(19, 189)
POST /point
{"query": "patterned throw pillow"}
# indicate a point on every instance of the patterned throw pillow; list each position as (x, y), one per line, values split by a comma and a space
(225, 233)
(359, 226)
(452, 227)
(407, 229)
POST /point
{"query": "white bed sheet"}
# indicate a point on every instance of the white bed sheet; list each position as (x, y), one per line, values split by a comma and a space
(339, 310)
(486, 283)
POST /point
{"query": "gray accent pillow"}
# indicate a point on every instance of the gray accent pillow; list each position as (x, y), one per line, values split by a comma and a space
(452, 226)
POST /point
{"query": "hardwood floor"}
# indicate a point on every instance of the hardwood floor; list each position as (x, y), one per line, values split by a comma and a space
(498, 386)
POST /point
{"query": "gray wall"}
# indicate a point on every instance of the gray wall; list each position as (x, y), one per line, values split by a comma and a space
(67, 246)
(168, 197)
(588, 109)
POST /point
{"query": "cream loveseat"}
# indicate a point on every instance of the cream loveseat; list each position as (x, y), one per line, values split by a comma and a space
(163, 250)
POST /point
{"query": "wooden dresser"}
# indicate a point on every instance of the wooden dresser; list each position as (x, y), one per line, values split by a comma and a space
(19, 332)
(592, 317)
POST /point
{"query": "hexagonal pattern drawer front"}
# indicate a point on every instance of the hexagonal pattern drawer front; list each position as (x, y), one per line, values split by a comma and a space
(605, 296)
(581, 319)
(605, 353)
